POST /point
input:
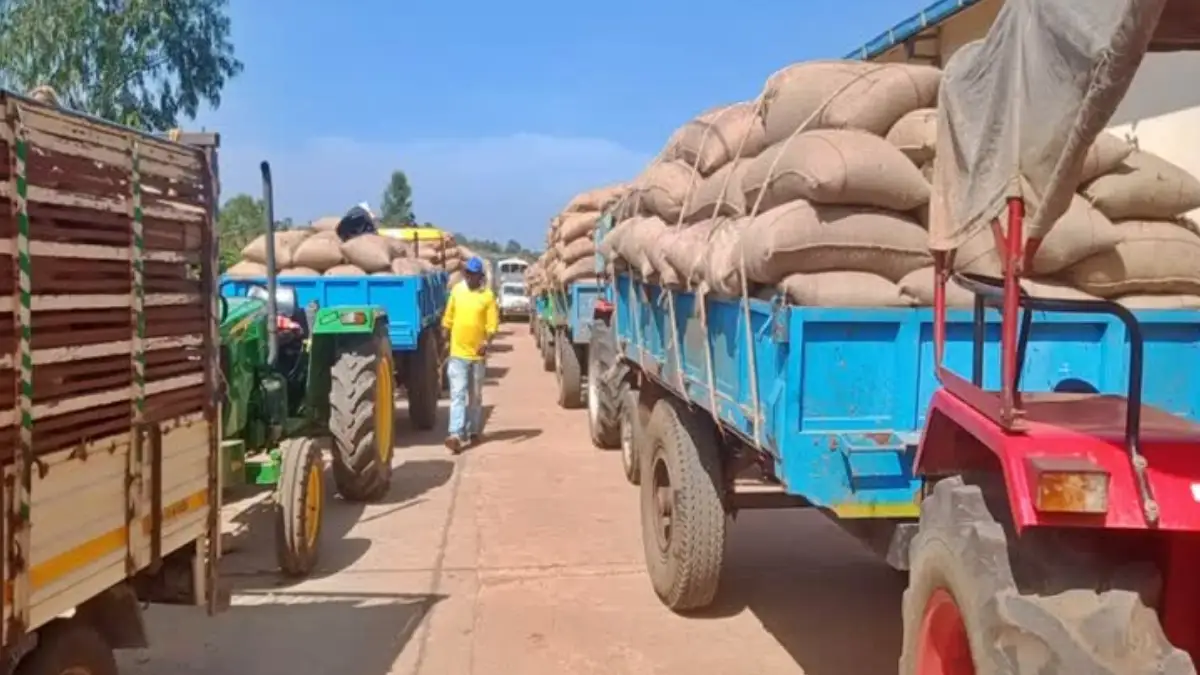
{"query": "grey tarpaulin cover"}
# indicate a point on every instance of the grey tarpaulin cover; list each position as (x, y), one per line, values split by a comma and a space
(1019, 109)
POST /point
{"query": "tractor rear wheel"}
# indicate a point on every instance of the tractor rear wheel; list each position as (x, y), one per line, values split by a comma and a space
(362, 409)
(570, 372)
(424, 386)
(607, 383)
(69, 647)
(682, 505)
(299, 506)
(981, 600)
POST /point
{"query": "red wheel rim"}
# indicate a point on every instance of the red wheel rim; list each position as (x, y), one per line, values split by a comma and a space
(942, 645)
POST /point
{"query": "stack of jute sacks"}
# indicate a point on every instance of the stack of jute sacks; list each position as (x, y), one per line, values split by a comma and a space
(820, 189)
(570, 240)
(318, 251)
(535, 277)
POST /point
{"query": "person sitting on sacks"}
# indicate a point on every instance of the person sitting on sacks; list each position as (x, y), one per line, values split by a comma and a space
(470, 322)
(358, 221)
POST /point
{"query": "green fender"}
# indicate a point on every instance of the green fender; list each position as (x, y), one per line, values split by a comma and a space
(333, 327)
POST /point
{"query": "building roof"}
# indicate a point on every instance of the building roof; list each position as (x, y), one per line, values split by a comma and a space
(911, 27)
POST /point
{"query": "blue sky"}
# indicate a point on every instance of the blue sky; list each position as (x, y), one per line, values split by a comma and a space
(498, 112)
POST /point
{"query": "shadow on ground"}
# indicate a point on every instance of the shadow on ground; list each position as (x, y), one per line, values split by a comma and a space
(829, 602)
(250, 552)
(272, 632)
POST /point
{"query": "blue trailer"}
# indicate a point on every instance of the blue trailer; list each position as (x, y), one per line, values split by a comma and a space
(720, 404)
(412, 307)
(571, 309)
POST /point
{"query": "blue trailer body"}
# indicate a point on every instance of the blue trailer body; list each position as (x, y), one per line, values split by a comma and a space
(574, 307)
(842, 393)
(412, 303)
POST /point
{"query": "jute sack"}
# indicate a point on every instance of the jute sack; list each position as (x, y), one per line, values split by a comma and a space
(454, 279)
(1142, 301)
(1145, 187)
(643, 236)
(430, 252)
(247, 268)
(326, 224)
(583, 247)
(866, 96)
(915, 135)
(660, 269)
(399, 248)
(918, 284)
(687, 251)
(835, 167)
(722, 267)
(285, 243)
(598, 199)
(713, 139)
(722, 191)
(299, 272)
(371, 252)
(1105, 155)
(453, 264)
(407, 267)
(662, 190)
(610, 246)
(345, 271)
(800, 237)
(1081, 232)
(580, 270)
(843, 289)
(575, 225)
(319, 252)
(1153, 257)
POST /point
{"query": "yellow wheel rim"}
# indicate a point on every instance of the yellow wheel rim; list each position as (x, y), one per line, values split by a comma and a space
(385, 408)
(314, 489)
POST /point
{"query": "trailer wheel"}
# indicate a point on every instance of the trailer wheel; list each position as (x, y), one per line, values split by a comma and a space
(424, 383)
(547, 346)
(683, 514)
(362, 410)
(635, 418)
(980, 600)
(607, 383)
(299, 507)
(570, 373)
(69, 647)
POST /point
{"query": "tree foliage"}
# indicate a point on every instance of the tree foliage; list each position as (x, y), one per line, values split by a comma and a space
(241, 220)
(397, 205)
(142, 63)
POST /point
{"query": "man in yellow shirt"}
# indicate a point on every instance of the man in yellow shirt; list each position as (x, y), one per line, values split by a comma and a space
(471, 320)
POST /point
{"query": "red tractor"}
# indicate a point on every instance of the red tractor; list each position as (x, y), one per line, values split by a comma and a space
(1060, 532)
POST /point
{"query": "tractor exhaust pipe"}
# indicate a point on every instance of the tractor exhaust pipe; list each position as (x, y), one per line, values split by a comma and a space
(272, 301)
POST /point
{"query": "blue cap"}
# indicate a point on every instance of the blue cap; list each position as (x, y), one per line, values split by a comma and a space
(475, 266)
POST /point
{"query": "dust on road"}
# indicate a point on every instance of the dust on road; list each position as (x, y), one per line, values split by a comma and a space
(523, 557)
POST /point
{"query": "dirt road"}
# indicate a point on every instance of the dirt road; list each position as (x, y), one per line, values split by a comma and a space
(523, 557)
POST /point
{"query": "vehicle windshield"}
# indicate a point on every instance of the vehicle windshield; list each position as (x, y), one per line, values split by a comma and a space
(512, 289)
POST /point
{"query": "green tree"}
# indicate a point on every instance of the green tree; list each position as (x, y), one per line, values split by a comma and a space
(396, 208)
(241, 219)
(513, 247)
(143, 63)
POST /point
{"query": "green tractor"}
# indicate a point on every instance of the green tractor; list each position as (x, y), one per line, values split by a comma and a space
(300, 381)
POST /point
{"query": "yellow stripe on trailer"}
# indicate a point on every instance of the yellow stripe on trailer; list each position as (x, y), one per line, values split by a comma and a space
(880, 510)
(74, 559)
(413, 233)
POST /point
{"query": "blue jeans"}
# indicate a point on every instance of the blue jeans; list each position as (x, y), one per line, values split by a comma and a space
(466, 396)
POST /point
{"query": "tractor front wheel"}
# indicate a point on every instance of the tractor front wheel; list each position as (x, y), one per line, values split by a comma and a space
(569, 368)
(300, 506)
(424, 386)
(981, 600)
(546, 345)
(607, 382)
(362, 410)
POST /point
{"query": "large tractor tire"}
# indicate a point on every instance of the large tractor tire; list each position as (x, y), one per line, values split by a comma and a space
(607, 382)
(569, 368)
(636, 407)
(682, 505)
(424, 383)
(362, 410)
(299, 506)
(982, 601)
(69, 647)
